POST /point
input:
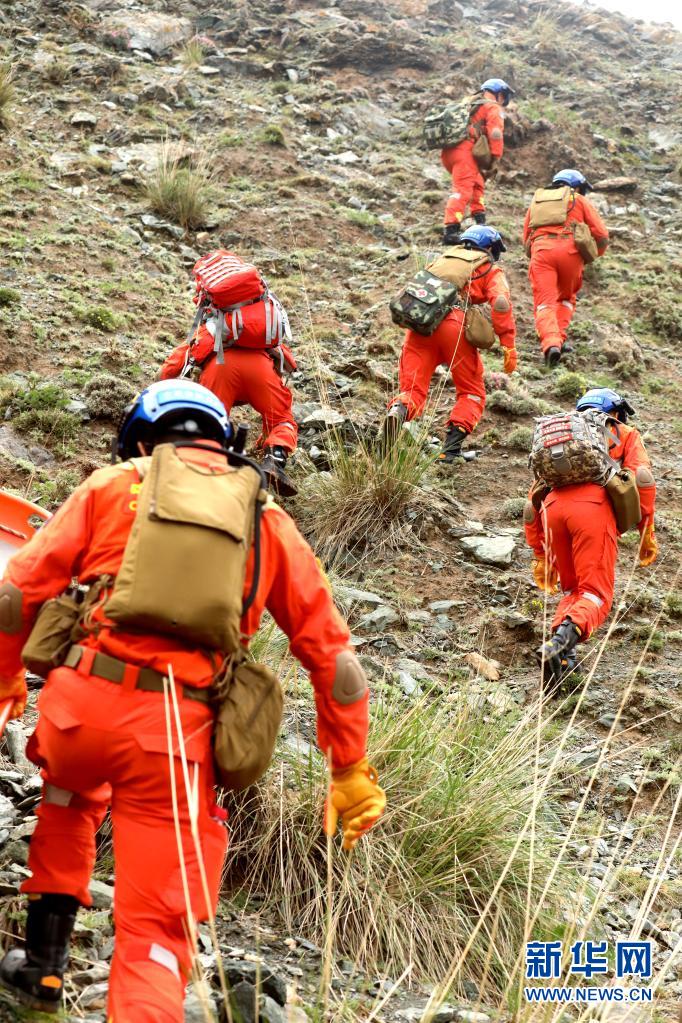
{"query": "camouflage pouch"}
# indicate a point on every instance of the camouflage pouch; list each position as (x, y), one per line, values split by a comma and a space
(449, 125)
(424, 303)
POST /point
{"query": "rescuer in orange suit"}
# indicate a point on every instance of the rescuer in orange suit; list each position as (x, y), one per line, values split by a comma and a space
(575, 539)
(249, 376)
(101, 738)
(556, 266)
(468, 181)
(448, 346)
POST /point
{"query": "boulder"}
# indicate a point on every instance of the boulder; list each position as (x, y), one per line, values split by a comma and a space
(144, 30)
(616, 184)
(491, 550)
(13, 446)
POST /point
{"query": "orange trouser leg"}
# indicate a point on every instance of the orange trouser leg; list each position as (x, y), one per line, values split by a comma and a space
(249, 377)
(91, 735)
(556, 275)
(418, 361)
(466, 368)
(582, 538)
(467, 182)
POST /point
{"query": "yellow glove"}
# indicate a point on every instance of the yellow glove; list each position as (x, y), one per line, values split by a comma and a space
(355, 797)
(510, 360)
(648, 546)
(545, 575)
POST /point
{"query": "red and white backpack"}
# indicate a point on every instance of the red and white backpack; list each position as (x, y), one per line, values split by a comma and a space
(236, 307)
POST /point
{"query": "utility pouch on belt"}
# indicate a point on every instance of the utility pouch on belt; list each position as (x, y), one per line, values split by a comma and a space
(247, 724)
(478, 330)
(481, 152)
(622, 489)
(183, 566)
(52, 635)
(549, 207)
(584, 242)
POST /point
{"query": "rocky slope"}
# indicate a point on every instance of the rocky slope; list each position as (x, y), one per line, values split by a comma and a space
(308, 120)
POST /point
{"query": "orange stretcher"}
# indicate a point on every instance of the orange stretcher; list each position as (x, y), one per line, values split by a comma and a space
(19, 520)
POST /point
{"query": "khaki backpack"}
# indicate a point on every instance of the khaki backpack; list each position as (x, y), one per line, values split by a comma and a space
(183, 573)
(550, 206)
(458, 266)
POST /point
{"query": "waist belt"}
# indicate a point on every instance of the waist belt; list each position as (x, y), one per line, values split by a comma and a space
(113, 670)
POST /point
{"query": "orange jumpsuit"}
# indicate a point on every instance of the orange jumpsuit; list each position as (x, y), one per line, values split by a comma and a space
(247, 377)
(556, 269)
(576, 531)
(448, 346)
(467, 180)
(102, 744)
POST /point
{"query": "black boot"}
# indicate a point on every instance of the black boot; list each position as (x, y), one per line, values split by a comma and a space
(452, 445)
(552, 357)
(479, 218)
(274, 465)
(451, 233)
(558, 656)
(391, 426)
(35, 973)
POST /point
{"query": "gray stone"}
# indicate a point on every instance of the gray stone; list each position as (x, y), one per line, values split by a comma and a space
(144, 30)
(380, 618)
(616, 184)
(93, 975)
(492, 550)
(239, 971)
(323, 417)
(442, 605)
(351, 595)
(195, 1006)
(470, 1016)
(625, 784)
(67, 164)
(16, 851)
(94, 996)
(102, 894)
(154, 224)
(83, 119)
(409, 684)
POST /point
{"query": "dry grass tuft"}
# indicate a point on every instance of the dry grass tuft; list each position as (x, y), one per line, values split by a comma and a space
(180, 190)
(7, 94)
(460, 789)
(360, 504)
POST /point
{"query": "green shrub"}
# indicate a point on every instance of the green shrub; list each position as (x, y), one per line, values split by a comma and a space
(363, 218)
(272, 135)
(569, 386)
(9, 296)
(106, 396)
(673, 605)
(101, 317)
(50, 493)
(520, 438)
(513, 507)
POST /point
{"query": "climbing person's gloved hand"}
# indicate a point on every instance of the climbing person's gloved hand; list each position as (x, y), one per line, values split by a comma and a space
(510, 360)
(356, 798)
(648, 546)
(545, 575)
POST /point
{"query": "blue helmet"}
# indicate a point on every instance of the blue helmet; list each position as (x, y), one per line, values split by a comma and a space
(574, 179)
(498, 85)
(486, 238)
(177, 405)
(605, 400)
